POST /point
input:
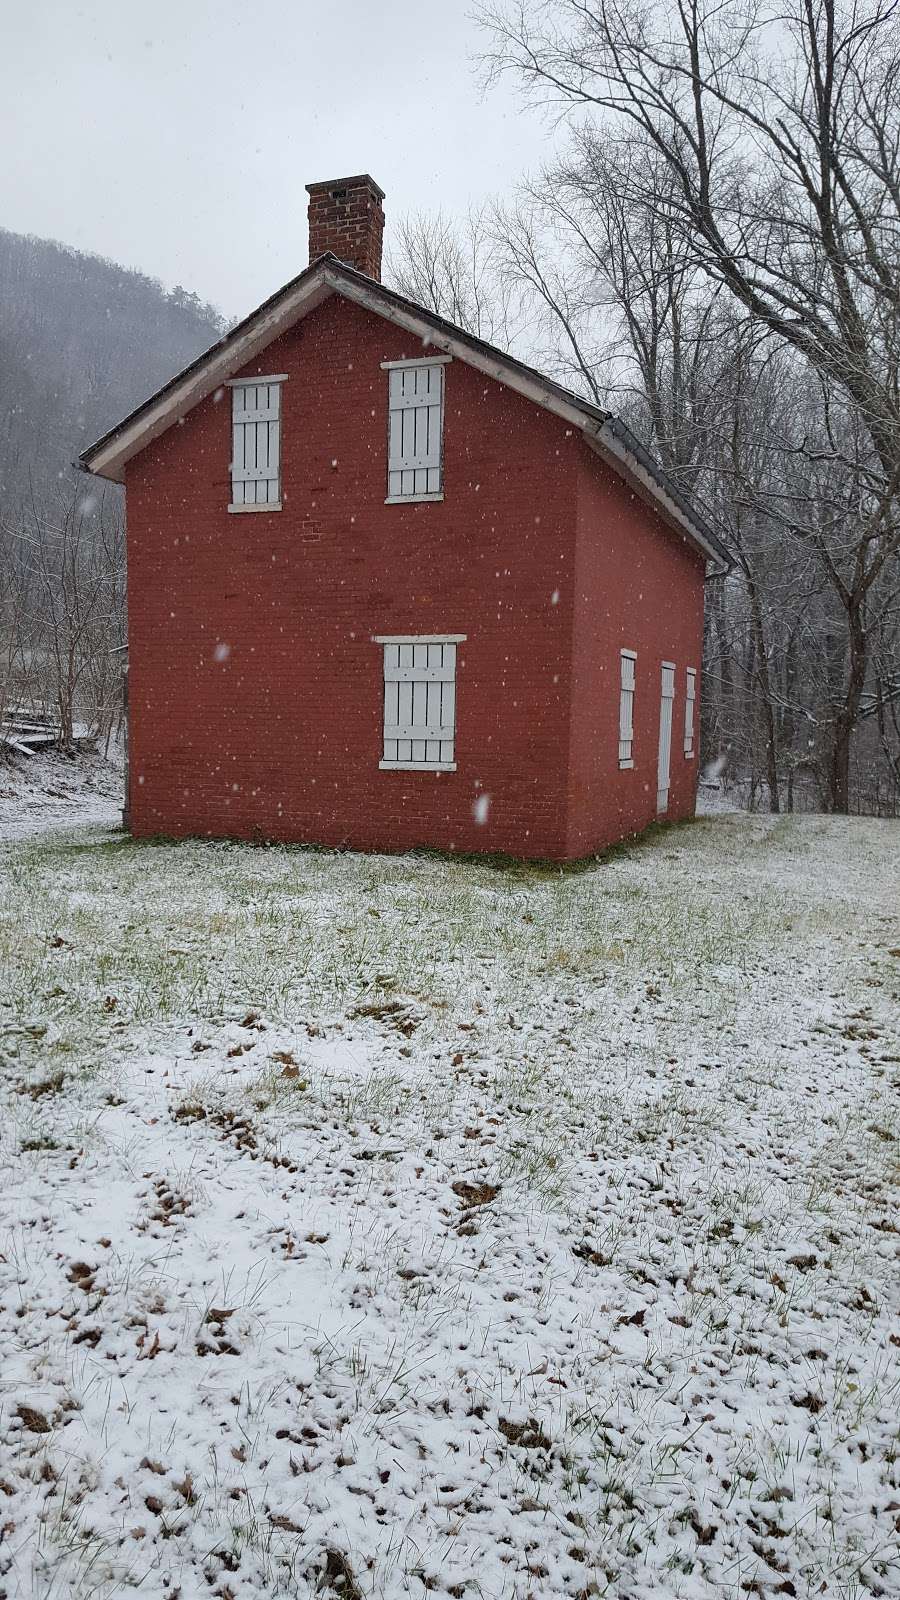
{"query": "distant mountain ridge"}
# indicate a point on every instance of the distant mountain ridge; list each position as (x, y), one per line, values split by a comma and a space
(82, 341)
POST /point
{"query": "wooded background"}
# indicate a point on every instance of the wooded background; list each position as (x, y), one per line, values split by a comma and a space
(715, 255)
(82, 341)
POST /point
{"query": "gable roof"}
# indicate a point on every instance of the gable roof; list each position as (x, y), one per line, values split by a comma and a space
(604, 433)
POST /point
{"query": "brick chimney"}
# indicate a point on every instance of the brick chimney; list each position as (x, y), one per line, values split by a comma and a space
(346, 217)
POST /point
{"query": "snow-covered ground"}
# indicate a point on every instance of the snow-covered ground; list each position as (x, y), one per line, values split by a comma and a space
(378, 1227)
(45, 790)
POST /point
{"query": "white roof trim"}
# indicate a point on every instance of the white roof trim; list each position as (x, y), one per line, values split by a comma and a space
(214, 372)
(492, 366)
(201, 380)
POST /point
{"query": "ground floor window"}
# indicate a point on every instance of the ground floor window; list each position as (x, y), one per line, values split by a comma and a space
(420, 701)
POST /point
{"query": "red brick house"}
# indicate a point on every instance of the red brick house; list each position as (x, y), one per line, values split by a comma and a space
(388, 586)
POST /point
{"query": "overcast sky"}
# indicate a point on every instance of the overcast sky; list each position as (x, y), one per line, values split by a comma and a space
(177, 135)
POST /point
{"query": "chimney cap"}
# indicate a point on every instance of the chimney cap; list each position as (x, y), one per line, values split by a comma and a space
(345, 183)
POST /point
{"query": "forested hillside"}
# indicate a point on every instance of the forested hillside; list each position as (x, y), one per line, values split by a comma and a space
(82, 341)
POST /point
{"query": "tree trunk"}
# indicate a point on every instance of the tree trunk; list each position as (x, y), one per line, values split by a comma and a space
(845, 721)
(765, 684)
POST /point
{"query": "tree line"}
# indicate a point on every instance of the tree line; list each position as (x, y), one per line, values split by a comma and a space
(716, 255)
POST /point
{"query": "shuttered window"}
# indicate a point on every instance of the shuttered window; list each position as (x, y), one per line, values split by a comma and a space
(256, 445)
(415, 430)
(690, 696)
(420, 703)
(627, 660)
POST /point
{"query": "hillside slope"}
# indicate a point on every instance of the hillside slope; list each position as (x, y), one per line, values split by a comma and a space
(82, 341)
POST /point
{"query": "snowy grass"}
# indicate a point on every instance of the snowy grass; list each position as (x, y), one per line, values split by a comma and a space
(383, 1226)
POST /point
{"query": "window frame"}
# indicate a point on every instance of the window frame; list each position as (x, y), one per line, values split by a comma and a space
(421, 496)
(272, 379)
(390, 764)
(626, 759)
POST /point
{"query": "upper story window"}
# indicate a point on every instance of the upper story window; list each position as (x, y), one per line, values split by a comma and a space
(415, 429)
(256, 444)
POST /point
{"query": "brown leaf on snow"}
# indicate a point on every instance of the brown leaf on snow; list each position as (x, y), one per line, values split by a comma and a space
(391, 1013)
(585, 1252)
(81, 1275)
(808, 1402)
(636, 1320)
(33, 1421)
(90, 1336)
(475, 1194)
(186, 1489)
(529, 1434)
(284, 1523)
(218, 1314)
(339, 1575)
(704, 1533)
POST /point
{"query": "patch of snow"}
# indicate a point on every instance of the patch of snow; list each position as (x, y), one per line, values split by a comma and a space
(51, 790)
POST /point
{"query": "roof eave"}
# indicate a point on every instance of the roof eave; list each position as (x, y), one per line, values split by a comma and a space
(606, 436)
(493, 363)
(110, 455)
(612, 448)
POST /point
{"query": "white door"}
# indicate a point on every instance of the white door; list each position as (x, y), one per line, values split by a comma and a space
(666, 697)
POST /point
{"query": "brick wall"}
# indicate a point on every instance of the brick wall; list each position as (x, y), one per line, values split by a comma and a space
(256, 689)
(639, 586)
(256, 692)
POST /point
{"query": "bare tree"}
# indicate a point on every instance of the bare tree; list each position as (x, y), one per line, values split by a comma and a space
(66, 611)
(452, 269)
(778, 133)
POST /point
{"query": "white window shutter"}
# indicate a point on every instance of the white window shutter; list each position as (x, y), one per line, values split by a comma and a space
(256, 444)
(689, 699)
(664, 760)
(415, 431)
(627, 660)
(419, 704)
